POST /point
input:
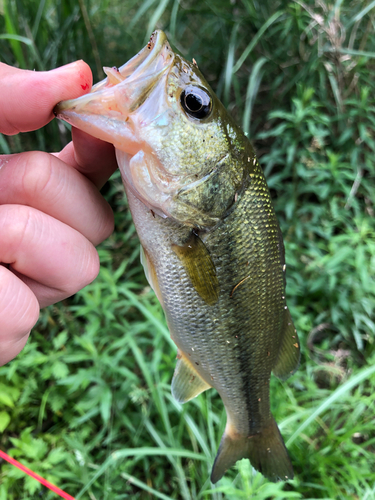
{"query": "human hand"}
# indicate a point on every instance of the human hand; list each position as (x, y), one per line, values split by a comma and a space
(51, 212)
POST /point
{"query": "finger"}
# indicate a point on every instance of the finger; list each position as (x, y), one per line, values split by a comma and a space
(19, 311)
(92, 157)
(44, 182)
(47, 251)
(44, 295)
(28, 97)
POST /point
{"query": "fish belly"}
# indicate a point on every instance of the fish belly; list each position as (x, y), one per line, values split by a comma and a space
(232, 344)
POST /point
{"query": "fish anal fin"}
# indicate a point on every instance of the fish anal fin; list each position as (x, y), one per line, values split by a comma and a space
(200, 268)
(186, 382)
(265, 450)
(288, 358)
(150, 274)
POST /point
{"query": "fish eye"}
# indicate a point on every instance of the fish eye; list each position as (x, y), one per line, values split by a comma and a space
(196, 102)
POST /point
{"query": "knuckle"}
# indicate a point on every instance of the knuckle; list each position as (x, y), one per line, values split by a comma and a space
(37, 173)
(82, 273)
(15, 223)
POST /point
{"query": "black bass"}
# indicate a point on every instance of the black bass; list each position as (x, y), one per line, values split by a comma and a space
(211, 245)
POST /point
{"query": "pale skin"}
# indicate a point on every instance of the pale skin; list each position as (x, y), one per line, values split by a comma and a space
(52, 214)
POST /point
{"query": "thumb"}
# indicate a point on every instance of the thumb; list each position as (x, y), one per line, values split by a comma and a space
(28, 97)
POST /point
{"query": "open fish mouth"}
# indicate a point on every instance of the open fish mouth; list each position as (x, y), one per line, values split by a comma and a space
(153, 109)
(105, 111)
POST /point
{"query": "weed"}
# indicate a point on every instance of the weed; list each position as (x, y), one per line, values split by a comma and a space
(87, 403)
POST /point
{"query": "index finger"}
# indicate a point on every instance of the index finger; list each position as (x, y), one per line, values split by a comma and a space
(27, 98)
(95, 159)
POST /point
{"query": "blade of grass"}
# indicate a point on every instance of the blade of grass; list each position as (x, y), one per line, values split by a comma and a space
(210, 425)
(255, 40)
(339, 393)
(154, 389)
(144, 486)
(136, 302)
(38, 17)
(192, 425)
(336, 92)
(251, 93)
(18, 38)
(13, 37)
(140, 12)
(230, 63)
(51, 51)
(362, 13)
(175, 463)
(90, 32)
(173, 22)
(37, 59)
(351, 52)
(155, 17)
(4, 148)
(159, 401)
(30, 43)
(138, 452)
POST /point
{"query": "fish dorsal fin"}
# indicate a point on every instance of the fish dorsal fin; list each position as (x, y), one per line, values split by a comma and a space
(289, 353)
(186, 382)
(150, 273)
(198, 264)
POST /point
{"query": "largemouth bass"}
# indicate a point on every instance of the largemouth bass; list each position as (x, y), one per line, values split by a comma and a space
(211, 244)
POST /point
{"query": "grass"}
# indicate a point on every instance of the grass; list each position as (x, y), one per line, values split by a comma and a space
(87, 404)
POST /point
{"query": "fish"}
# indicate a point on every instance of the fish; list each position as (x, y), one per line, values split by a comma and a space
(211, 245)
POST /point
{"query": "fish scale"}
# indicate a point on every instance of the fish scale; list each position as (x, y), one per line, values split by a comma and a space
(241, 317)
(211, 245)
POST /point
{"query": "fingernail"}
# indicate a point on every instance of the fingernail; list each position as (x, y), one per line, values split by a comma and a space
(78, 71)
(66, 68)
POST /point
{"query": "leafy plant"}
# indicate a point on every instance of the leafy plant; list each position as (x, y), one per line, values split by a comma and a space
(87, 403)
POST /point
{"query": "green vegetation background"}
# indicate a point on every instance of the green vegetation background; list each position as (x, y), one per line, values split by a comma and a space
(87, 404)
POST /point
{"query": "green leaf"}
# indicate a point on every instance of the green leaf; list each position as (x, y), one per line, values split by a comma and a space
(105, 404)
(4, 420)
(32, 485)
(57, 455)
(59, 370)
(6, 400)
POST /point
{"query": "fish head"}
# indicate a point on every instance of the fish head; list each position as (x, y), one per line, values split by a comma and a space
(177, 149)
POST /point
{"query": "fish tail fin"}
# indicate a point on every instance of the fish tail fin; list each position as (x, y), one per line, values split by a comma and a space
(266, 451)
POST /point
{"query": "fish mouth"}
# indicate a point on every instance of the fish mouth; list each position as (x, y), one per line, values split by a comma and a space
(106, 112)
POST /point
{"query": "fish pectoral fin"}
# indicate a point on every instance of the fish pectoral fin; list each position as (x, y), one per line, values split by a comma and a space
(150, 274)
(200, 268)
(288, 358)
(186, 382)
(265, 450)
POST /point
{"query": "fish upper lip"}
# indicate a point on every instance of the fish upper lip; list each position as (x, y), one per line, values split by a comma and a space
(141, 62)
(140, 67)
(105, 111)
